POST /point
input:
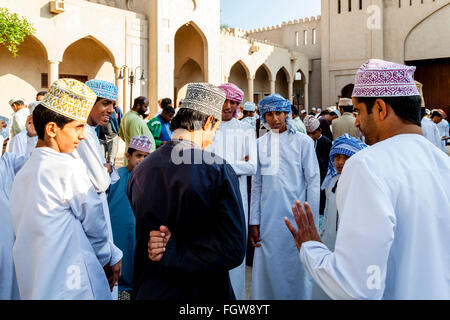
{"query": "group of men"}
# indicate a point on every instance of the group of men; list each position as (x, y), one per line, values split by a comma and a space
(173, 224)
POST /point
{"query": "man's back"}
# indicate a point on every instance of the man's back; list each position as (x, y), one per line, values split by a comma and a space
(202, 207)
(345, 124)
(395, 219)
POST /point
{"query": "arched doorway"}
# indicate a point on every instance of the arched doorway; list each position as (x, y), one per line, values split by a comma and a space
(191, 54)
(281, 83)
(239, 77)
(299, 90)
(21, 76)
(261, 84)
(347, 91)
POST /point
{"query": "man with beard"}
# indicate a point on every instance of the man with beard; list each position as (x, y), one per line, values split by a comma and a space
(393, 201)
(133, 124)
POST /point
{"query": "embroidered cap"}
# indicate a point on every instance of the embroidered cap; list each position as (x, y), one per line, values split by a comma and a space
(205, 98)
(233, 92)
(141, 143)
(379, 78)
(103, 89)
(70, 98)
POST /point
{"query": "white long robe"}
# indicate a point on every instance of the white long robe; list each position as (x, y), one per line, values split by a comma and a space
(61, 236)
(22, 144)
(393, 200)
(443, 132)
(431, 132)
(90, 152)
(10, 164)
(293, 174)
(234, 141)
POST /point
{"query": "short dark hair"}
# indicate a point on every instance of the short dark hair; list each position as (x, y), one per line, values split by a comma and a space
(43, 115)
(347, 108)
(324, 112)
(406, 108)
(139, 101)
(190, 120)
(436, 114)
(41, 93)
(130, 151)
(166, 102)
(295, 110)
(169, 110)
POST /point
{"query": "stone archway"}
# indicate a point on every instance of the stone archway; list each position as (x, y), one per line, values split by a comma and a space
(281, 83)
(261, 84)
(239, 77)
(191, 57)
(299, 89)
(22, 76)
(86, 59)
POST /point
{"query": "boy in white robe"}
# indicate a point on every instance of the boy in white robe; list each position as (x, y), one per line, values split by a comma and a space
(99, 171)
(61, 241)
(287, 170)
(10, 164)
(23, 142)
(235, 141)
(393, 199)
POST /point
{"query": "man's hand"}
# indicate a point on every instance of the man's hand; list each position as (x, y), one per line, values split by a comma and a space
(109, 167)
(254, 236)
(2, 124)
(157, 243)
(30, 127)
(305, 222)
(113, 274)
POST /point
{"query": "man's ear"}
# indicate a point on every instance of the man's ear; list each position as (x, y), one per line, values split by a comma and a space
(50, 129)
(382, 108)
(208, 124)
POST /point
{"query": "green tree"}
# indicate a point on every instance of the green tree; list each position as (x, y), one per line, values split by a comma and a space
(13, 30)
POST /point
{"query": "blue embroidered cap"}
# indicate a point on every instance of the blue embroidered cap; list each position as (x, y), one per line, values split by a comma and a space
(103, 89)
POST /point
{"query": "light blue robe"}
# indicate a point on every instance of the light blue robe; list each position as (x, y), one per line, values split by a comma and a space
(123, 223)
(10, 164)
(61, 236)
(293, 174)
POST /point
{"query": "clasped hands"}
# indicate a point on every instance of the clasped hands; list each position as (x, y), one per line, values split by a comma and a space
(157, 243)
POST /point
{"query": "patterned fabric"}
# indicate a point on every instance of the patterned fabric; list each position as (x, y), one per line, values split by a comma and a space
(276, 102)
(346, 145)
(205, 98)
(345, 102)
(378, 78)
(311, 123)
(70, 98)
(103, 89)
(141, 143)
(249, 106)
(233, 92)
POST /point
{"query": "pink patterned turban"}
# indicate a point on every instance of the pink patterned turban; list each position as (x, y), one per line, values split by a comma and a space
(233, 92)
(378, 78)
(141, 143)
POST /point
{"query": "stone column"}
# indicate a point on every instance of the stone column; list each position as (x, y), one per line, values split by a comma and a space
(53, 71)
(119, 84)
(290, 90)
(250, 89)
(306, 97)
(272, 86)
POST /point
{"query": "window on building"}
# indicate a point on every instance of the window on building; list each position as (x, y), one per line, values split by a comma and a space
(339, 6)
(45, 84)
(305, 37)
(297, 40)
(314, 36)
(399, 3)
(349, 5)
(360, 4)
(410, 2)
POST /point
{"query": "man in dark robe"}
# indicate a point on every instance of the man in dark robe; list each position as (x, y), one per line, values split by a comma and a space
(190, 225)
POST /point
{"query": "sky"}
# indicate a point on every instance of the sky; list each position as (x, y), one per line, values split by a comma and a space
(251, 14)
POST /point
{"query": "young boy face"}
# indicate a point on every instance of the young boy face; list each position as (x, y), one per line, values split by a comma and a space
(276, 120)
(316, 134)
(69, 137)
(135, 159)
(101, 112)
(339, 162)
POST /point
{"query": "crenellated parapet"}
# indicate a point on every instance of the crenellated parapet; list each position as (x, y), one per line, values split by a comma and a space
(301, 21)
